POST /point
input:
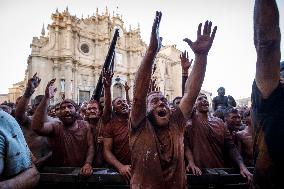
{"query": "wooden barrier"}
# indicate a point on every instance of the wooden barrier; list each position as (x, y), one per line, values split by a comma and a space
(68, 177)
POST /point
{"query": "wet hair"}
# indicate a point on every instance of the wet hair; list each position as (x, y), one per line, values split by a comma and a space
(93, 102)
(113, 101)
(231, 111)
(219, 113)
(152, 93)
(38, 99)
(69, 101)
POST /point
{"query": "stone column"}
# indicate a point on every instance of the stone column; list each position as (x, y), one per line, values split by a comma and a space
(69, 39)
(56, 69)
(68, 78)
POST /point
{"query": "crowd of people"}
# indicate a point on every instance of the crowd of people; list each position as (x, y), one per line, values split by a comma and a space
(150, 141)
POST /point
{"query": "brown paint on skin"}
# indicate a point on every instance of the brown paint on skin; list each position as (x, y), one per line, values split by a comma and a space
(206, 140)
(245, 145)
(98, 143)
(209, 138)
(69, 146)
(93, 116)
(117, 129)
(158, 154)
(38, 145)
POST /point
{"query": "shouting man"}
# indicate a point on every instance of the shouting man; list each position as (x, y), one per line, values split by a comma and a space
(156, 133)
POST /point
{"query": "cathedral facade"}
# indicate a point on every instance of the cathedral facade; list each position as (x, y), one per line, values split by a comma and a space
(73, 51)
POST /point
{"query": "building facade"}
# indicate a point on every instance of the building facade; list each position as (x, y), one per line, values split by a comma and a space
(73, 51)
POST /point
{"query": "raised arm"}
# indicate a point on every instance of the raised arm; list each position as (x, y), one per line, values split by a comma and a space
(143, 75)
(267, 44)
(107, 77)
(194, 82)
(22, 105)
(185, 65)
(127, 87)
(40, 124)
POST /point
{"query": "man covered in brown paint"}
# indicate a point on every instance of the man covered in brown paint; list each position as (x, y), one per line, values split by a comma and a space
(210, 141)
(71, 139)
(156, 133)
(244, 140)
(116, 139)
(97, 120)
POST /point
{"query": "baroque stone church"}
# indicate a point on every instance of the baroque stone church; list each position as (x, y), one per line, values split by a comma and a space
(74, 50)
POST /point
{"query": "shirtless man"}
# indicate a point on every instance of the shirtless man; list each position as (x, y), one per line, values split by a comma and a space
(156, 134)
(268, 98)
(244, 140)
(71, 140)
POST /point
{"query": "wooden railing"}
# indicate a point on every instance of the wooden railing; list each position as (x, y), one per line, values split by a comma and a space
(68, 177)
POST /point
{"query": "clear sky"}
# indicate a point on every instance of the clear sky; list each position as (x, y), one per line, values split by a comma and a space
(231, 61)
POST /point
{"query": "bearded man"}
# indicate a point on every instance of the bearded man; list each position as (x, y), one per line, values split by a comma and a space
(156, 134)
(71, 139)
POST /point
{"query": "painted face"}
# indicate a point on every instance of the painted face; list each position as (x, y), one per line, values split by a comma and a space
(67, 114)
(52, 112)
(158, 109)
(234, 121)
(202, 104)
(120, 106)
(93, 111)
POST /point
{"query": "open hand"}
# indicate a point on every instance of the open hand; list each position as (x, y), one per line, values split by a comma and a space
(107, 77)
(246, 174)
(185, 64)
(204, 42)
(194, 169)
(50, 89)
(156, 40)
